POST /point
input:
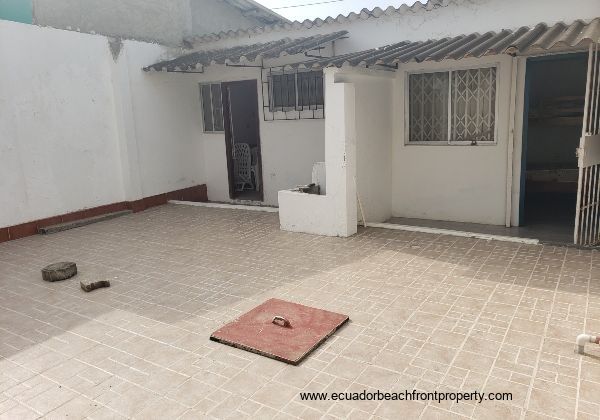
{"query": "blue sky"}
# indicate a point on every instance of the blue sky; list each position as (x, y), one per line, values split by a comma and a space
(309, 9)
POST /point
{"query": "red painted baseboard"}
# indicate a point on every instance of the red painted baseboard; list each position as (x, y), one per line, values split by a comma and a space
(197, 193)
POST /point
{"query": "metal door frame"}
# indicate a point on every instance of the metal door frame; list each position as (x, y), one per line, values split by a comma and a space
(587, 223)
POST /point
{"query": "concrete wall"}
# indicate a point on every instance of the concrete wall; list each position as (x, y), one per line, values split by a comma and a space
(79, 129)
(452, 182)
(374, 115)
(213, 16)
(58, 137)
(165, 111)
(150, 20)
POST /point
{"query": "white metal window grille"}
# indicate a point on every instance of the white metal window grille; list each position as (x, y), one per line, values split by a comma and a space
(212, 107)
(283, 91)
(456, 106)
(310, 89)
(292, 94)
(473, 104)
(428, 104)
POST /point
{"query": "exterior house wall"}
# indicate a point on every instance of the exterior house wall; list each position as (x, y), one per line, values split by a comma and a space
(452, 182)
(374, 115)
(455, 18)
(289, 148)
(471, 182)
(335, 213)
(79, 129)
(463, 17)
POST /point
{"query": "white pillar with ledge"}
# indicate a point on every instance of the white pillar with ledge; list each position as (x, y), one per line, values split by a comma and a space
(333, 214)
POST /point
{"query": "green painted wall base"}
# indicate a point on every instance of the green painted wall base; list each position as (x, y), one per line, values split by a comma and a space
(16, 10)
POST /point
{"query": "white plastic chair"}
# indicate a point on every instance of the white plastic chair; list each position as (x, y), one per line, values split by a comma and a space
(241, 166)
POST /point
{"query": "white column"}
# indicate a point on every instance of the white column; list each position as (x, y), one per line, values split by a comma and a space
(340, 151)
(333, 214)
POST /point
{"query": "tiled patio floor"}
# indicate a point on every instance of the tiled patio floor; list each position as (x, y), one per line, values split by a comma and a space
(428, 312)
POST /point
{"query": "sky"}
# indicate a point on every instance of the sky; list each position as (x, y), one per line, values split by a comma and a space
(311, 9)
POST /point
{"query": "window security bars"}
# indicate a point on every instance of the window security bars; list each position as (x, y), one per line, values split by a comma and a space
(212, 107)
(428, 103)
(292, 94)
(473, 105)
(456, 106)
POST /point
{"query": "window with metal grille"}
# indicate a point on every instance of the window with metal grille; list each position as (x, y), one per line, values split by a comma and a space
(296, 91)
(283, 91)
(212, 107)
(457, 106)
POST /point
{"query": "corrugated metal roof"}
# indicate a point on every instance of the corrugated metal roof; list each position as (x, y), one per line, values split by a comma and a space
(522, 41)
(364, 14)
(250, 8)
(246, 53)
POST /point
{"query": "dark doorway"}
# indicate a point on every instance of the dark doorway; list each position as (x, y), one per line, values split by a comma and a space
(242, 139)
(554, 102)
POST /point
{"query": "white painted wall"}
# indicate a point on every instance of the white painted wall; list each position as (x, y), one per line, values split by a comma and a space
(79, 129)
(58, 136)
(457, 17)
(374, 112)
(440, 182)
(165, 111)
(452, 182)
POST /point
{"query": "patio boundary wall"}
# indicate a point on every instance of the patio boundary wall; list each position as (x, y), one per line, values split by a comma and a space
(82, 127)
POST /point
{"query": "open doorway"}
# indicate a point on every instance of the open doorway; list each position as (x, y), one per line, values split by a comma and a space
(554, 103)
(242, 139)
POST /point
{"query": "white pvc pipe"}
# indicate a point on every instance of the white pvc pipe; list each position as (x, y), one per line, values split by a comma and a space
(583, 339)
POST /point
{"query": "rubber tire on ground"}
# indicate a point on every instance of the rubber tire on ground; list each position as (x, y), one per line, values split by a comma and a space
(59, 271)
